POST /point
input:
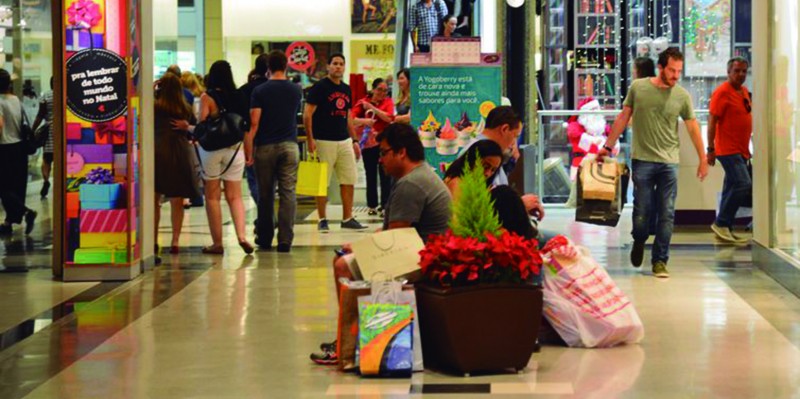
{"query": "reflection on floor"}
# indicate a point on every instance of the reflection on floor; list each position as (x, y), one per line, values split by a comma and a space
(237, 326)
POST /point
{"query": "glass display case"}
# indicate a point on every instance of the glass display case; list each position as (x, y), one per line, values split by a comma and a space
(556, 54)
(597, 56)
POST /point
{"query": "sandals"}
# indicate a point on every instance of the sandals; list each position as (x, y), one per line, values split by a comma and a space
(212, 250)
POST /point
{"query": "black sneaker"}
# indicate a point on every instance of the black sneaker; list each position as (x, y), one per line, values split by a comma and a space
(325, 358)
(353, 224)
(45, 189)
(284, 248)
(322, 226)
(30, 219)
(637, 253)
(6, 229)
(329, 346)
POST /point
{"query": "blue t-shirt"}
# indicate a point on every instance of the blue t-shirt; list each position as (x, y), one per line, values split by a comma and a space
(279, 101)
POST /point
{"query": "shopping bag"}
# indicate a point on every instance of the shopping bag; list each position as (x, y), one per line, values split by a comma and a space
(385, 333)
(312, 178)
(347, 335)
(394, 252)
(599, 180)
(602, 212)
(585, 306)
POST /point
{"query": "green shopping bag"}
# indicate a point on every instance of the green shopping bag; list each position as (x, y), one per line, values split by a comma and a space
(312, 178)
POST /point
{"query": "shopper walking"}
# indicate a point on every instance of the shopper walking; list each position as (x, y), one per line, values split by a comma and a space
(226, 164)
(403, 103)
(330, 134)
(273, 131)
(654, 105)
(13, 160)
(425, 18)
(174, 170)
(257, 77)
(730, 127)
(374, 114)
(45, 115)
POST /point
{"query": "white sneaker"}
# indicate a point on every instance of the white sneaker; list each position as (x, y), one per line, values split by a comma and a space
(723, 233)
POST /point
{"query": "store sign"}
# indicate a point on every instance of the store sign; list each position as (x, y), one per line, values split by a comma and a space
(301, 56)
(97, 87)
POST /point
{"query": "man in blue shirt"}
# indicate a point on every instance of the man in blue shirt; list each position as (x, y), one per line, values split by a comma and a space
(273, 131)
(425, 18)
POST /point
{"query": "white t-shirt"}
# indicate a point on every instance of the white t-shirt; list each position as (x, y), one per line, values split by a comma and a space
(11, 112)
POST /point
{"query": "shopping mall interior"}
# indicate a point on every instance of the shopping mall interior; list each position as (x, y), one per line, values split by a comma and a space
(108, 293)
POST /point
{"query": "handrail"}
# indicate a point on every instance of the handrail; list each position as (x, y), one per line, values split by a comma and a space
(595, 112)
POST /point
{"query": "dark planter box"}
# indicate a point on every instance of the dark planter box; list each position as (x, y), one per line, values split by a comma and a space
(480, 328)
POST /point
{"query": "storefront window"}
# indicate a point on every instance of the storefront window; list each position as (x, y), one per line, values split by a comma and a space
(785, 148)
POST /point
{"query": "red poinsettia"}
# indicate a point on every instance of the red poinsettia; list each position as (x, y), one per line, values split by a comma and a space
(450, 260)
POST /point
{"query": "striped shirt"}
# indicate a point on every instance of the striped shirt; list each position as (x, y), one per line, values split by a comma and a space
(47, 101)
(427, 20)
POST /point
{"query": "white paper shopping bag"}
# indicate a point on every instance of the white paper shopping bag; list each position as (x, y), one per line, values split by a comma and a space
(394, 252)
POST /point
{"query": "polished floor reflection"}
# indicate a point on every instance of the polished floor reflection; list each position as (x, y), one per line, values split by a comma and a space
(237, 326)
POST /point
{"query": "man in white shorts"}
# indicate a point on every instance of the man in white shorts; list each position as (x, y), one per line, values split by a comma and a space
(330, 133)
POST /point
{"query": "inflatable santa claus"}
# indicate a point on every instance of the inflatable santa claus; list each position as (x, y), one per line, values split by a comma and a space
(587, 134)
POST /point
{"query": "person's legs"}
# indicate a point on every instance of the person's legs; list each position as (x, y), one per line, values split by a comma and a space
(667, 190)
(214, 211)
(643, 182)
(265, 167)
(252, 182)
(347, 174)
(341, 268)
(348, 192)
(233, 195)
(735, 189)
(287, 184)
(157, 217)
(176, 206)
(47, 164)
(371, 167)
(327, 153)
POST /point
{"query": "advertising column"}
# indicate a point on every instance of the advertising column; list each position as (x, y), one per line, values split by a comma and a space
(453, 88)
(101, 137)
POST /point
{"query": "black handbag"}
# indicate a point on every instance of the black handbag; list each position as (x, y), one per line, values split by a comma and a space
(222, 131)
(29, 136)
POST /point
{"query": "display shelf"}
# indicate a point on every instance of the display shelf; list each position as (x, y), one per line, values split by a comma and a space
(556, 45)
(596, 42)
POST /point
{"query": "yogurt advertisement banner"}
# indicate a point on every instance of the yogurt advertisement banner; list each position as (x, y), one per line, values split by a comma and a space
(450, 105)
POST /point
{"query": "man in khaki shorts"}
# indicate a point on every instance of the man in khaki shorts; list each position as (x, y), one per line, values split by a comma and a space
(331, 136)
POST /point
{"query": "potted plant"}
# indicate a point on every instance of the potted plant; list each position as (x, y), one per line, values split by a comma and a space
(479, 309)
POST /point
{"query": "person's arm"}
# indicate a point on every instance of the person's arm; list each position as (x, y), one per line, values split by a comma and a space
(40, 115)
(697, 139)
(398, 225)
(255, 118)
(352, 131)
(406, 119)
(412, 27)
(308, 116)
(620, 123)
(454, 186)
(205, 106)
(387, 114)
(711, 156)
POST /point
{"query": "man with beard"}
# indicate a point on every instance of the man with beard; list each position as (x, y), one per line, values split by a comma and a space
(654, 105)
(587, 134)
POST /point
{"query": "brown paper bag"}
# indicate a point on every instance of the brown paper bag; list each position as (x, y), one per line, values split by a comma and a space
(599, 180)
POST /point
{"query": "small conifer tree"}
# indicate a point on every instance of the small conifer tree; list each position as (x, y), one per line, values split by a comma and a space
(473, 211)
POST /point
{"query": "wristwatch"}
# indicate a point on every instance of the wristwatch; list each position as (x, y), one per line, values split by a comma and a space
(607, 148)
(710, 149)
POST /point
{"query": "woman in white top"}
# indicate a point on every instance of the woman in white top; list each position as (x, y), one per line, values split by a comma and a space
(13, 160)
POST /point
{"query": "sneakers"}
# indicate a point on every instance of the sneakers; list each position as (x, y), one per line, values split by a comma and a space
(325, 358)
(30, 219)
(725, 234)
(637, 253)
(6, 229)
(322, 226)
(353, 224)
(372, 212)
(660, 270)
(284, 248)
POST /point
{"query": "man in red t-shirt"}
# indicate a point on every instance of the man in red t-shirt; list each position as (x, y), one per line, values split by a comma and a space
(730, 126)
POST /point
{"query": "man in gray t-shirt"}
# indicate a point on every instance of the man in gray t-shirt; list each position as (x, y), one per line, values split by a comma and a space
(654, 104)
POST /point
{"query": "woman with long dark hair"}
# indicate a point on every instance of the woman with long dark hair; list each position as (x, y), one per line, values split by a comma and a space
(175, 177)
(13, 160)
(226, 164)
(487, 152)
(374, 113)
(403, 102)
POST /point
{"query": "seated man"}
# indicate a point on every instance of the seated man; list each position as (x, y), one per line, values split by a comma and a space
(419, 199)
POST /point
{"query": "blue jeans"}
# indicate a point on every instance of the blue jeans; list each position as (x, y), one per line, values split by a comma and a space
(660, 180)
(735, 189)
(252, 182)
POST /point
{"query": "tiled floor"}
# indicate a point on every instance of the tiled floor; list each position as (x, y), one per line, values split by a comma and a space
(238, 326)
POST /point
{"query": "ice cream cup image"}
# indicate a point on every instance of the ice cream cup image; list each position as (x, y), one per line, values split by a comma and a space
(447, 142)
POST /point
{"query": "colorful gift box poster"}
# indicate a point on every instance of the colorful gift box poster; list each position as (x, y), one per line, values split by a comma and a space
(100, 196)
(93, 153)
(73, 205)
(88, 14)
(99, 256)
(113, 132)
(104, 240)
(104, 221)
(72, 118)
(88, 168)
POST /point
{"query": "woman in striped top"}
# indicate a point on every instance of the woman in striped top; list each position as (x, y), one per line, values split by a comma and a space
(45, 115)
